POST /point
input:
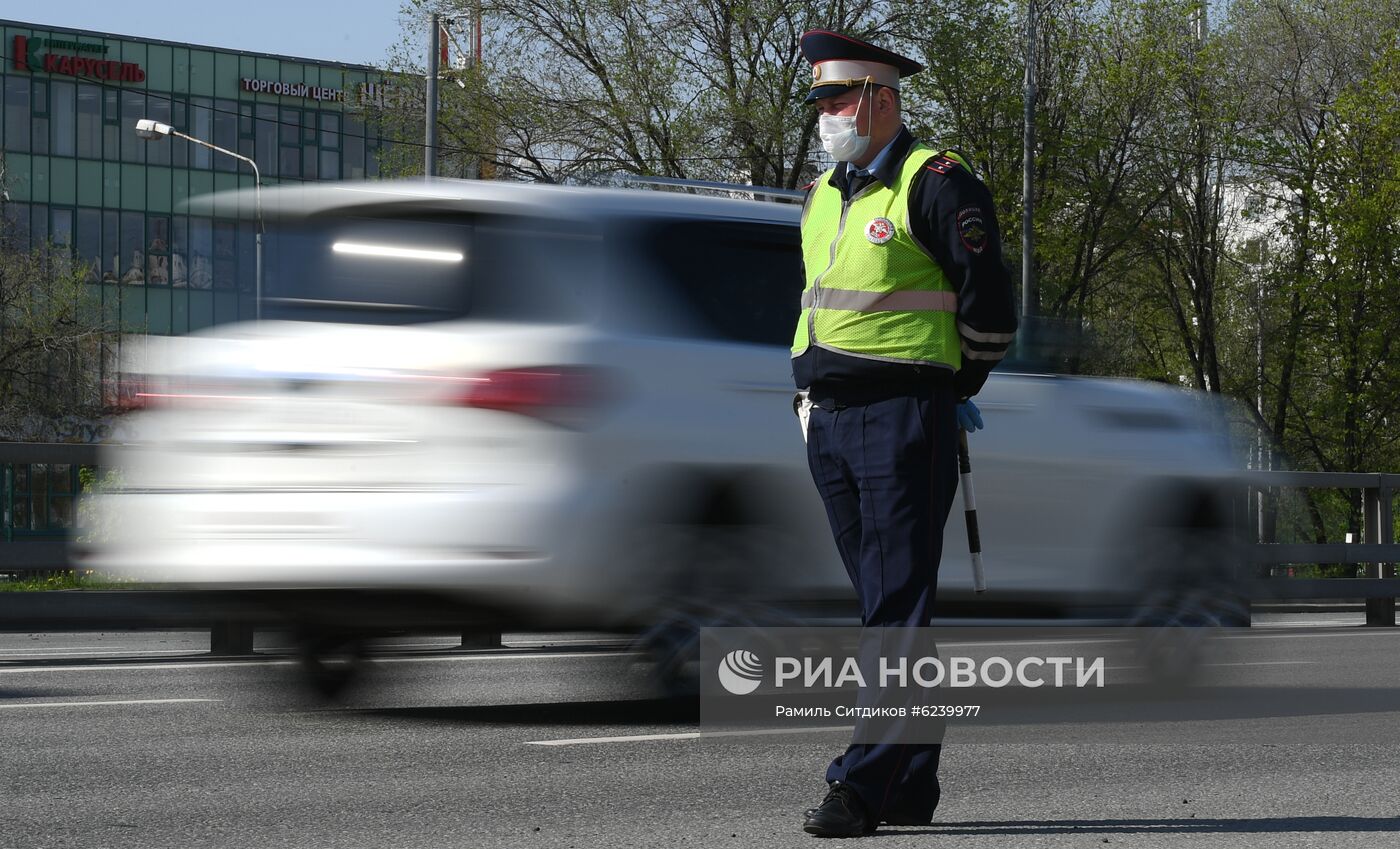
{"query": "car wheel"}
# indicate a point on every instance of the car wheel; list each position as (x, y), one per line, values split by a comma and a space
(1190, 579)
(672, 646)
(713, 577)
(330, 660)
(1192, 593)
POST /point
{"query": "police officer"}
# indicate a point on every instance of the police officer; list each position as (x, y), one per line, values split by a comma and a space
(906, 309)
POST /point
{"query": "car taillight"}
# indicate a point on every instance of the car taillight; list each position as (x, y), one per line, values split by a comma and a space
(570, 396)
(131, 392)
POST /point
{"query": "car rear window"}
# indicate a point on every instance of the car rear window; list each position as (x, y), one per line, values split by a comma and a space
(733, 281)
(377, 269)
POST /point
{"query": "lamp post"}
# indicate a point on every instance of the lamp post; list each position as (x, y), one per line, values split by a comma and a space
(1030, 295)
(430, 130)
(151, 130)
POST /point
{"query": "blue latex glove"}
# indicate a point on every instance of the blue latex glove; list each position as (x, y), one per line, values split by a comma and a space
(969, 417)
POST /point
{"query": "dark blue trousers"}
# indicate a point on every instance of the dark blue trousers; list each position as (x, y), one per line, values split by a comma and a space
(887, 472)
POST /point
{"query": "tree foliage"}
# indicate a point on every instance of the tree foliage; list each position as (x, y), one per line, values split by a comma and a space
(53, 337)
(583, 90)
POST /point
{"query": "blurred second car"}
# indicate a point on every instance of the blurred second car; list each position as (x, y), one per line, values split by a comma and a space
(546, 407)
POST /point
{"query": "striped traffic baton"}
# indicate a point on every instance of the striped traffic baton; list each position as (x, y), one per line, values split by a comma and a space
(974, 539)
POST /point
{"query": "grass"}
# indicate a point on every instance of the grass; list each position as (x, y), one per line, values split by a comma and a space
(65, 580)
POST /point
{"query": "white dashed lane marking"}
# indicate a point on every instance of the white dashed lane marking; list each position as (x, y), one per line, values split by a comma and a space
(687, 735)
(104, 703)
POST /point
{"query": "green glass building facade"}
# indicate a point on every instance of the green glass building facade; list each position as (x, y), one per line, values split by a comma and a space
(76, 172)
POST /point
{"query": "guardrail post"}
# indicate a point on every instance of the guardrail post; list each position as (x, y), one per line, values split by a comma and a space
(1387, 521)
(1254, 512)
(1379, 611)
(7, 471)
(1248, 503)
(229, 638)
(472, 639)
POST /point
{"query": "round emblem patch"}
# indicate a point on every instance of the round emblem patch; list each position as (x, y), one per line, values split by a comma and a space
(880, 230)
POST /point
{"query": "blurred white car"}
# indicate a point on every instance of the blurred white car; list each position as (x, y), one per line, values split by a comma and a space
(566, 407)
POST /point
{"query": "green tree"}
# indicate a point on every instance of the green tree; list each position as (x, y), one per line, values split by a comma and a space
(53, 337)
(1310, 74)
(583, 90)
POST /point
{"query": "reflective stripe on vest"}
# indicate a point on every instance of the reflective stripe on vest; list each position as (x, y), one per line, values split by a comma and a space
(904, 301)
(871, 290)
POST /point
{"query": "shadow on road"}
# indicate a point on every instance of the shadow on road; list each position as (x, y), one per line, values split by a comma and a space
(1260, 825)
(8, 694)
(648, 711)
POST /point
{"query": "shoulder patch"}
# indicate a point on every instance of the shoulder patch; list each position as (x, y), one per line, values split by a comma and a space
(972, 230)
(942, 164)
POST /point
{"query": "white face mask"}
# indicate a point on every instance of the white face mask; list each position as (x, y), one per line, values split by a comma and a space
(839, 136)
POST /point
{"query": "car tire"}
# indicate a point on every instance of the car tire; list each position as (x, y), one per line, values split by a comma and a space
(715, 580)
(1192, 592)
(331, 661)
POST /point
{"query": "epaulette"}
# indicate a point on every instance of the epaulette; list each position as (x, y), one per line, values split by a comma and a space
(943, 163)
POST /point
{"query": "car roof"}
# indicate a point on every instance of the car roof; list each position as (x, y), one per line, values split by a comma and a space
(584, 203)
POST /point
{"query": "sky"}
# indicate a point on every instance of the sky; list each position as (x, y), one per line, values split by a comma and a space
(354, 31)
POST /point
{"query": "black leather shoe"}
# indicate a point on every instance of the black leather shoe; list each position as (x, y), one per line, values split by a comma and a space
(841, 814)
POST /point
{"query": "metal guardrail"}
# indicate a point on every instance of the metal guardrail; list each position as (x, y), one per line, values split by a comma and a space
(231, 618)
(29, 557)
(758, 192)
(1377, 549)
(85, 610)
(79, 453)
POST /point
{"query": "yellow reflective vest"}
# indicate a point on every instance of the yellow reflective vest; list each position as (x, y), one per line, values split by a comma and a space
(872, 291)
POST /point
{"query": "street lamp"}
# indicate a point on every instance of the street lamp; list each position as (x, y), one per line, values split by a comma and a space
(152, 130)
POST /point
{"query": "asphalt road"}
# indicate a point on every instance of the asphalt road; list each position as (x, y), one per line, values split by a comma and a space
(569, 748)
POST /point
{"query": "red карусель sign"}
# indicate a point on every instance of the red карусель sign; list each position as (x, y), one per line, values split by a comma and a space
(75, 66)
